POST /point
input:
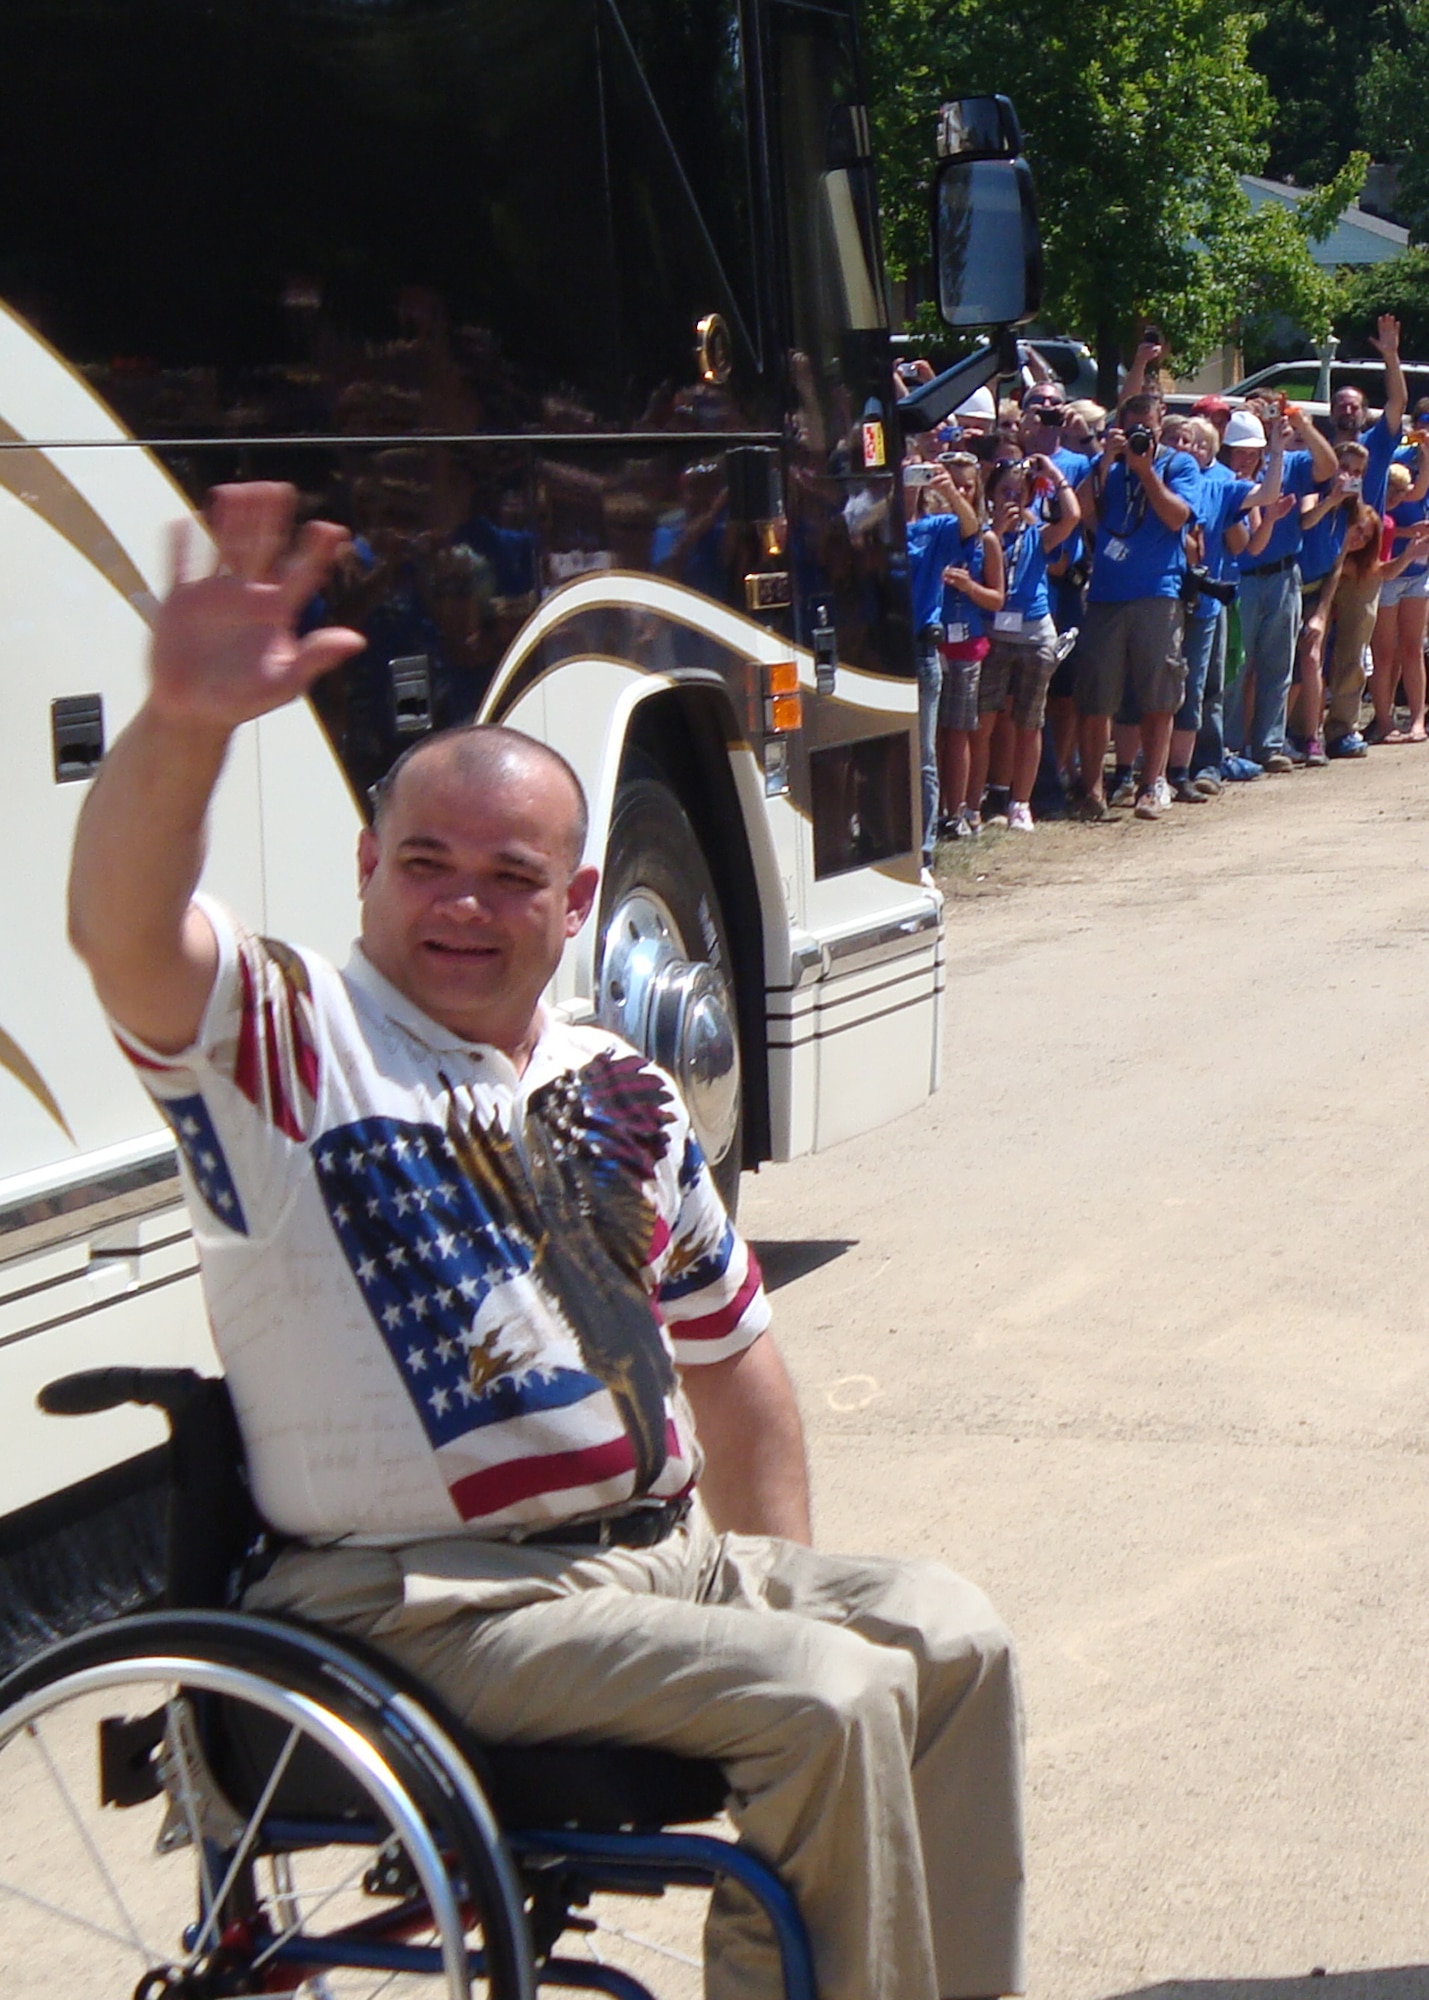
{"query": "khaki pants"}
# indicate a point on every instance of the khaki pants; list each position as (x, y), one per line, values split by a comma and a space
(1355, 611)
(866, 1714)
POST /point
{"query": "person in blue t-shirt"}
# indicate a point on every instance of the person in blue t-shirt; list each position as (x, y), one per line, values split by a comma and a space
(1270, 594)
(1137, 502)
(972, 592)
(1022, 654)
(940, 519)
(1324, 519)
(1221, 507)
(1350, 419)
(1398, 643)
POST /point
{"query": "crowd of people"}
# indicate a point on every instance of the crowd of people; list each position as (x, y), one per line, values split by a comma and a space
(1212, 596)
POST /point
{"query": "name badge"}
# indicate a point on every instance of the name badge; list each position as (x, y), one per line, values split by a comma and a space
(1117, 550)
(957, 635)
(1007, 621)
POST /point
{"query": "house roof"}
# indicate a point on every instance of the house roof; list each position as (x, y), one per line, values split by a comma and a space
(1357, 238)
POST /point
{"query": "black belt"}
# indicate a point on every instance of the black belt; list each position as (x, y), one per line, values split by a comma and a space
(639, 1527)
(1272, 569)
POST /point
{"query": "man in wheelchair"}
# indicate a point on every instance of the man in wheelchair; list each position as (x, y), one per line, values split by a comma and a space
(500, 1362)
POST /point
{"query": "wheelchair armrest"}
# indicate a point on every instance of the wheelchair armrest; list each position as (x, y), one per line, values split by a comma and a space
(168, 1389)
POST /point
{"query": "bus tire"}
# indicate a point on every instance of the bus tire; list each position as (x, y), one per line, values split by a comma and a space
(664, 976)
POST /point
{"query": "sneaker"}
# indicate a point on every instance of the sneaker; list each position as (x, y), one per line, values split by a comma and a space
(1315, 755)
(1208, 782)
(1352, 744)
(1089, 806)
(1238, 770)
(961, 827)
(1296, 749)
(1124, 793)
(1019, 818)
(1186, 792)
(1148, 805)
(1276, 763)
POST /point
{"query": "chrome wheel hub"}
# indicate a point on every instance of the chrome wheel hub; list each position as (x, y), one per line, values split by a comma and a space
(677, 1010)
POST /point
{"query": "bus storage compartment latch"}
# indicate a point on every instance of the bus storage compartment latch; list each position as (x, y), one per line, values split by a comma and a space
(77, 734)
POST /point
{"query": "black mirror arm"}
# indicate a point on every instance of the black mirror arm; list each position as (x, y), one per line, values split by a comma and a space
(930, 405)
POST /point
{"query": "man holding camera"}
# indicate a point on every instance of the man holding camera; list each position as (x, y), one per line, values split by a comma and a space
(1136, 501)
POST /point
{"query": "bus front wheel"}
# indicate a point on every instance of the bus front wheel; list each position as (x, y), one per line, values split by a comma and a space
(665, 981)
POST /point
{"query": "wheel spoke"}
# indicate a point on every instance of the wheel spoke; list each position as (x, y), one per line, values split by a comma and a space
(75, 1921)
(101, 1866)
(245, 1845)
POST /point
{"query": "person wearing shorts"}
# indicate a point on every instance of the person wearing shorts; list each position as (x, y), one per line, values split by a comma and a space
(1022, 655)
(972, 593)
(1220, 514)
(1398, 643)
(938, 520)
(1137, 502)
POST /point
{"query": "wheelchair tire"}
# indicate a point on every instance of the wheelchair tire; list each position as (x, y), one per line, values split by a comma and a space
(126, 1869)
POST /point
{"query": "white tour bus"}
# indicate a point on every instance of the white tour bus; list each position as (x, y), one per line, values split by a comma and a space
(573, 311)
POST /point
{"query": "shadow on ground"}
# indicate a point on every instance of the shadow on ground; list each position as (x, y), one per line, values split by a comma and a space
(782, 1263)
(1388, 1982)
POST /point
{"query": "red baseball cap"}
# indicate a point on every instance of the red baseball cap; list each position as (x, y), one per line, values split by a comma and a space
(1211, 406)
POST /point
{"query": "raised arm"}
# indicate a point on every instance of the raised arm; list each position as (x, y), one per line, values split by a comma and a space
(756, 1479)
(1396, 391)
(1323, 463)
(224, 650)
(1068, 515)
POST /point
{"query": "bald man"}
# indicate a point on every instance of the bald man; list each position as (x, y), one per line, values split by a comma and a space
(487, 1326)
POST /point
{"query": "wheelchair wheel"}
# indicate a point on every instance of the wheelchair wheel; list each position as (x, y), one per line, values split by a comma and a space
(197, 1805)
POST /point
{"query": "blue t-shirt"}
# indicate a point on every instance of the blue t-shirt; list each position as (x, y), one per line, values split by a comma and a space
(1380, 442)
(1024, 564)
(935, 541)
(1297, 476)
(1220, 505)
(1137, 555)
(1320, 549)
(962, 619)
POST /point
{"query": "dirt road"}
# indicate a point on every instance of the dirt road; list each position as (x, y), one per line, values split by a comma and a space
(1130, 1324)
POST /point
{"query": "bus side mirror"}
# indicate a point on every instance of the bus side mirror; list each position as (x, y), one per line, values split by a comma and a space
(986, 243)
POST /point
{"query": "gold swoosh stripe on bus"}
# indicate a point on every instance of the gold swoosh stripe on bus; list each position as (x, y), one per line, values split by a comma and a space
(43, 488)
(14, 1059)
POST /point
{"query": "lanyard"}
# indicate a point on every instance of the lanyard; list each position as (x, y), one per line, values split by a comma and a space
(1019, 558)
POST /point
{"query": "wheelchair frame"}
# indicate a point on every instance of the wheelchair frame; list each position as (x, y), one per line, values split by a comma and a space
(444, 1863)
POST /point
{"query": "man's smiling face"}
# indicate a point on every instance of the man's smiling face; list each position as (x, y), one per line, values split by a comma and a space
(471, 887)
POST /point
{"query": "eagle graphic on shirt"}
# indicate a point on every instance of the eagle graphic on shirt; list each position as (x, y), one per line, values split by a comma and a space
(435, 1221)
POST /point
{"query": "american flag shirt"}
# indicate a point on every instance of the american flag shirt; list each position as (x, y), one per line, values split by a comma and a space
(446, 1296)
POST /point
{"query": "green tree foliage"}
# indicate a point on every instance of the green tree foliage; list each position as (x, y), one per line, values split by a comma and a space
(1392, 105)
(1138, 115)
(1400, 287)
(1314, 55)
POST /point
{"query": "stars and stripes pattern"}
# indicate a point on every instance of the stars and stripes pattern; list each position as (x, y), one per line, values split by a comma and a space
(204, 1155)
(448, 1286)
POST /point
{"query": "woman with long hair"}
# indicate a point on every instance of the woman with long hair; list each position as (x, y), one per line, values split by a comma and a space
(1022, 655)
(972, 594)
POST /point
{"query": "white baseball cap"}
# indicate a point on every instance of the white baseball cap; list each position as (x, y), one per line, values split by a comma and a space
(979, 404)
(1244, 427)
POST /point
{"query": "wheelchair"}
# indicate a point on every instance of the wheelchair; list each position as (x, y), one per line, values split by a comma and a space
(198, 1802)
